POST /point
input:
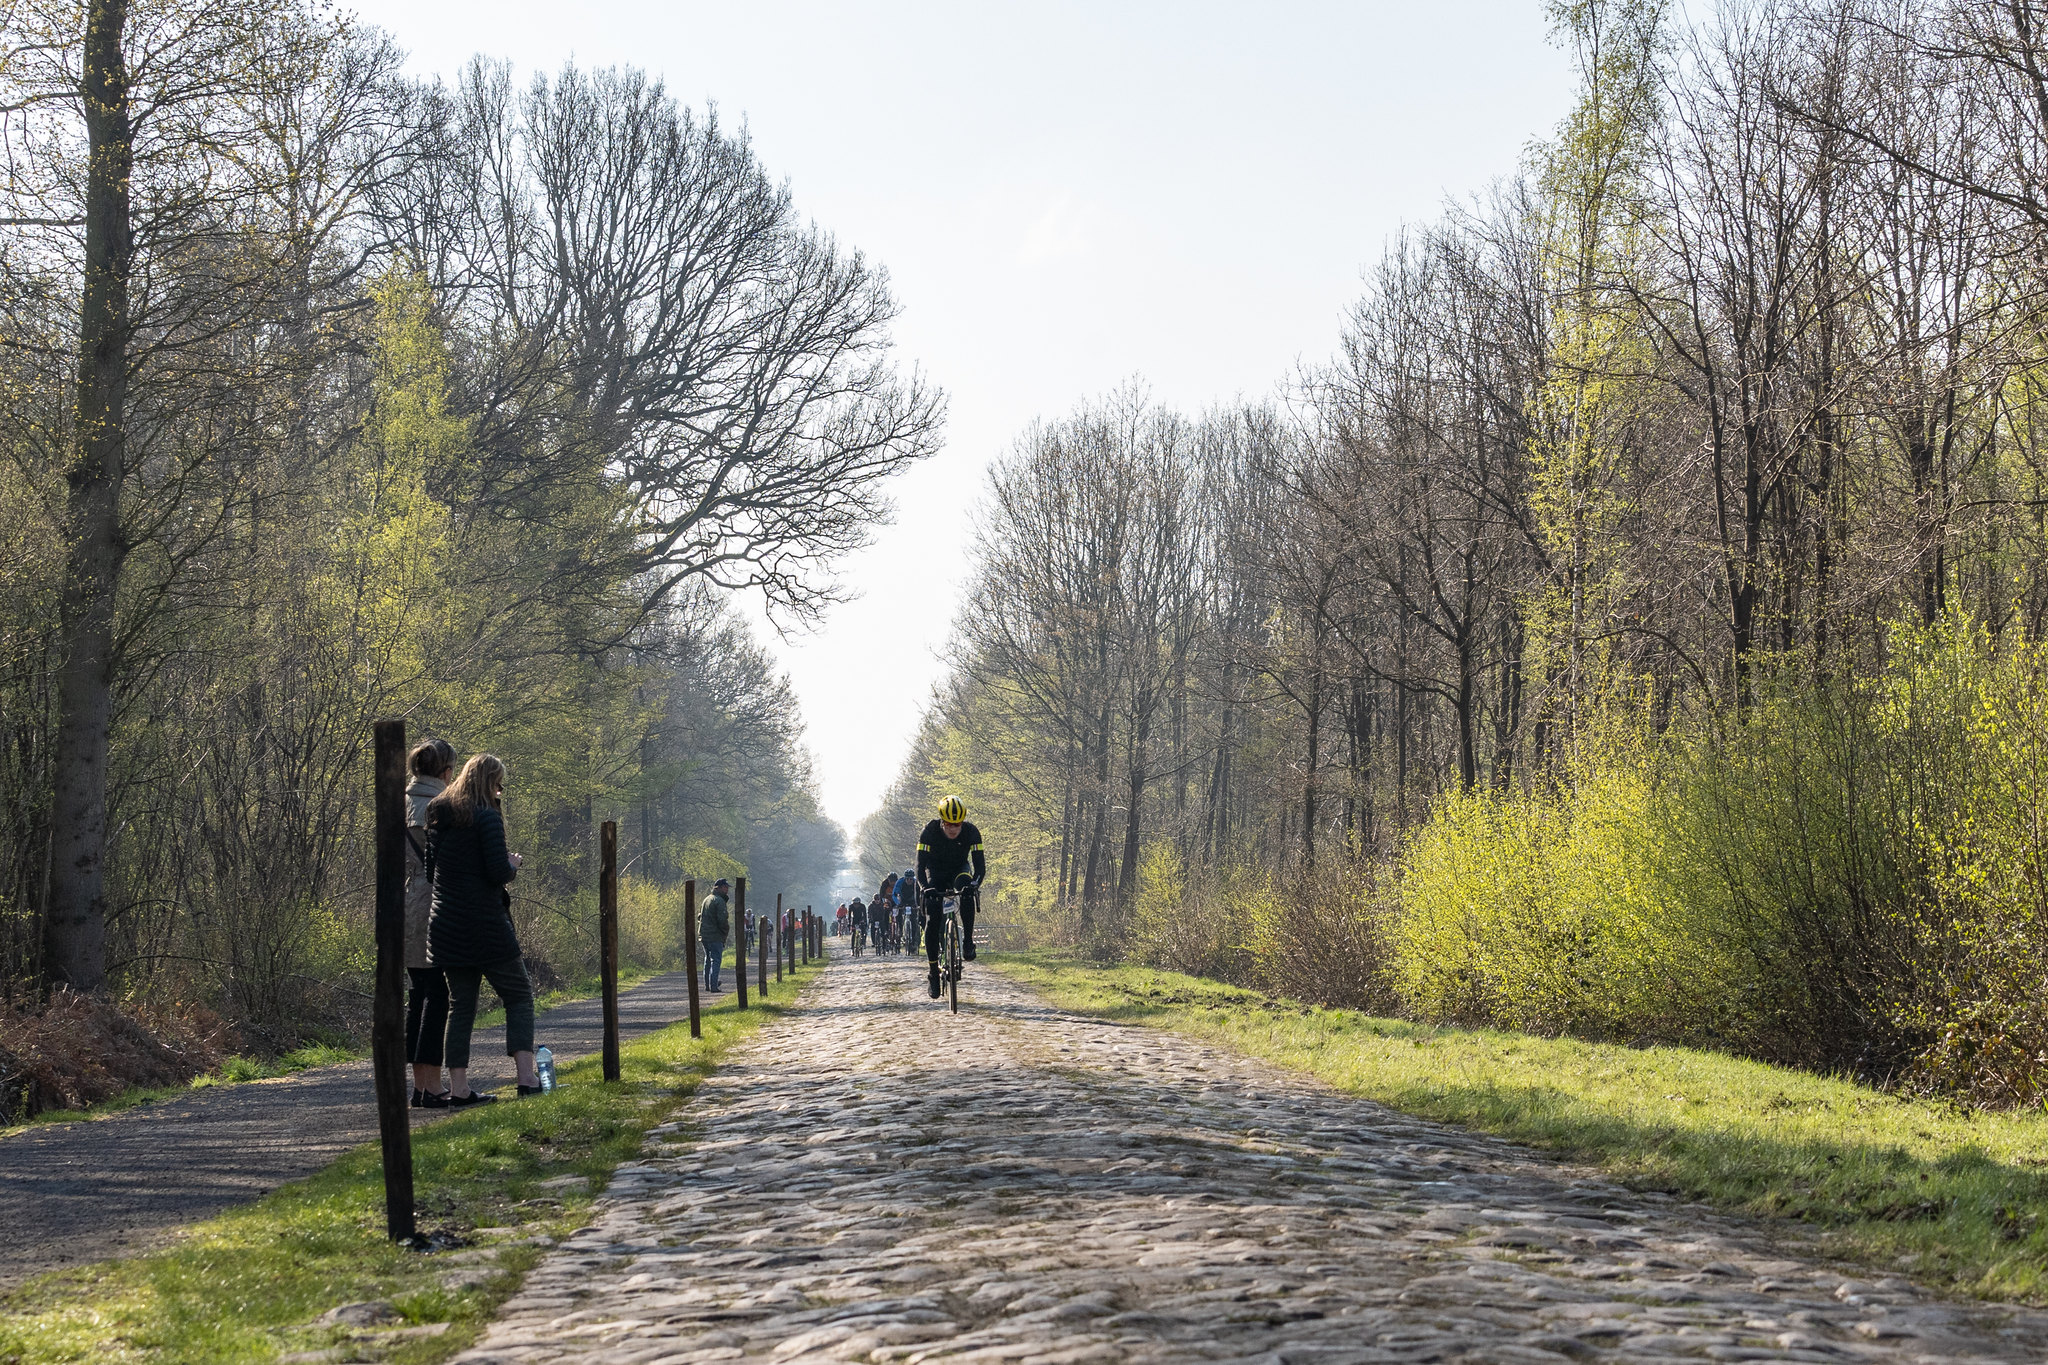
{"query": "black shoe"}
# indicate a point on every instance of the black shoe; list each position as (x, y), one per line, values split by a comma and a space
(967, 950)
(526, 1090)
(465, 1101)
(429, 1099)
(935, 983)
(419, 1098)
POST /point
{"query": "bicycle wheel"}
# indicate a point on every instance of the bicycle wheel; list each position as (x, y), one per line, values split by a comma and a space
(953, 963)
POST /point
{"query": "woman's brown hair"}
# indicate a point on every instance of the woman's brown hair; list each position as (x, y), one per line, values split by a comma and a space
(431, 758)
(477, 785)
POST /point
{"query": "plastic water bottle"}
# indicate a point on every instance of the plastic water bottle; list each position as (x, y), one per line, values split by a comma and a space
(544, 1068)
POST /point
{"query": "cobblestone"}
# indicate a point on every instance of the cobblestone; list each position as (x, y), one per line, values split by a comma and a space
(873, 1179)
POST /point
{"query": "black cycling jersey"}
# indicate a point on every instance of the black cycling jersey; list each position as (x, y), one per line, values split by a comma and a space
(940, 860)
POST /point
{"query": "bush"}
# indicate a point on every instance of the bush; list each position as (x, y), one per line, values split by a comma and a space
(1851, 876)
(1321, 935)
(1547, 913)
(1317, 936)
(1185, 928)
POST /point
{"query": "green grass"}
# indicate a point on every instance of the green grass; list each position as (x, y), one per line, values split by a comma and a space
(1955, 1196)
(246, 1286)
(238, 1069)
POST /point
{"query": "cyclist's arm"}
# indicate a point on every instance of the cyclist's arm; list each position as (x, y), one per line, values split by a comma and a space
(980, 862)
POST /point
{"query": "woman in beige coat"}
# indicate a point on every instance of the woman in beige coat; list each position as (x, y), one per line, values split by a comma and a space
(426, 1013)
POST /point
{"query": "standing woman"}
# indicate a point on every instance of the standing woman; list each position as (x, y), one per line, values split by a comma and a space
(471, 935)
(426, 1011)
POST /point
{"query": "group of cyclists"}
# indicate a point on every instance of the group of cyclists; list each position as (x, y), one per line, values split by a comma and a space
(911, 904)
(887, 923)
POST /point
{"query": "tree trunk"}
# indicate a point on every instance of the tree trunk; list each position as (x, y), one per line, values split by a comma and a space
(75, 930)
(1127, 875)
(1468, 742)
(1309, 814)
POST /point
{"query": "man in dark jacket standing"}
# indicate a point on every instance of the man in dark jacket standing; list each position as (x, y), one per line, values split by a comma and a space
(714, 922)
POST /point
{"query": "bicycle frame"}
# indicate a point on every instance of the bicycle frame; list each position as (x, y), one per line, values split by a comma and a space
(950, 908)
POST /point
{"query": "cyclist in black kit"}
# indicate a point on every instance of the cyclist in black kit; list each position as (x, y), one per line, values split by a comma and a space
(886, 899)
(949, 847)
(907, 909)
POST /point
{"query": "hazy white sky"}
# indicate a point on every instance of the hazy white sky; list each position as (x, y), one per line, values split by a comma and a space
(1066, 196)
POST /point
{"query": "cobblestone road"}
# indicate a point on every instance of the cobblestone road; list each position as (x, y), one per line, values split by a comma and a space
(875, 1180)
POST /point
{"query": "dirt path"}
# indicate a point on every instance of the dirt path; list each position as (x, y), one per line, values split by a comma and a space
(871, 1179)
(85, 1191)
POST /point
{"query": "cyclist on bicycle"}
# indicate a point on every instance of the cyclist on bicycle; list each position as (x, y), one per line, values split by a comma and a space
(907, 909)
(948, 848)
(886, 899)
(857, 916)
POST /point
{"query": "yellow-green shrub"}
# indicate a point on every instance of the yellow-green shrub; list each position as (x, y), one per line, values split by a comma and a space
(1852, 874)
(1546, 912)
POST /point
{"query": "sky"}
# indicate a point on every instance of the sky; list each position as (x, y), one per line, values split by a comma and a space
(1067, 198)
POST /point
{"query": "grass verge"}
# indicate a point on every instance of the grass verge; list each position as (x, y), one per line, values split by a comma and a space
(247, 1286)
(1953, 1195)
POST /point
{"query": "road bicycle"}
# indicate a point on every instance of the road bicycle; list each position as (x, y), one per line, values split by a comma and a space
(913, 929)
(949, 939)
(860, 938)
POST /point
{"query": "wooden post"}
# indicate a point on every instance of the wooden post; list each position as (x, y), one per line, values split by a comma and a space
(608, 940)
(739, 927)
(817, 943)
(806, 922)
(690, 953)
(387, 1016)
(779, 938)
(761, 957)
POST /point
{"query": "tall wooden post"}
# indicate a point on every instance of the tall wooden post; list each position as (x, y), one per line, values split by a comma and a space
(739, 929)
(761, 957)
(608, 940)
(780, 938)
(387, 1017)
(690, 953)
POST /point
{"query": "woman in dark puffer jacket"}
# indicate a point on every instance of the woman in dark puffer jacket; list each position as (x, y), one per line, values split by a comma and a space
(470, 934)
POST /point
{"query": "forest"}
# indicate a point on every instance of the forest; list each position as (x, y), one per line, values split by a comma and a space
(328, 393)
(1632, 628)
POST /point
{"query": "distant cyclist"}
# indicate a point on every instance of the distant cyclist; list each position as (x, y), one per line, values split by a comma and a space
(907, 909)
(886, 899)
(949, 847)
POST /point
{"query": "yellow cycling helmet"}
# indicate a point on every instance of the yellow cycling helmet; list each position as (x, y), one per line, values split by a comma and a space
(951, 812)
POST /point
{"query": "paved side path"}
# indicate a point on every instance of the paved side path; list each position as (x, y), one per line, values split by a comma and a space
(874, 1180)
(75, 1192)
